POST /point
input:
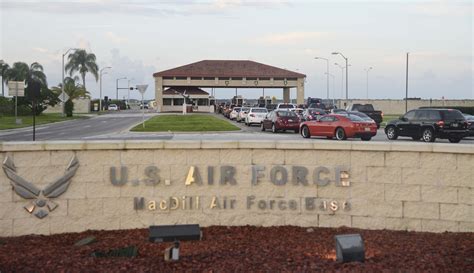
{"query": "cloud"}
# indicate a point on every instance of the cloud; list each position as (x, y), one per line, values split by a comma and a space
(291, 37)
(115, 38)
(442, 8)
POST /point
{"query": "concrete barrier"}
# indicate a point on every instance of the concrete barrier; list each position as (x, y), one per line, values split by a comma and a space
(134, 184)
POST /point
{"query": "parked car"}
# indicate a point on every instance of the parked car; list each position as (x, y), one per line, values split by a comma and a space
(113, 107)
(313, 114)
(285, 106)
(429, 124)
(470, 122)
(339, 126)
(281, 120)
(255, 115)
(369, 110)
(234, 113)
(242, 114)
(144, 105)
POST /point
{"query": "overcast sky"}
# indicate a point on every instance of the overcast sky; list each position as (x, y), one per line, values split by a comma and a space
(138, 38)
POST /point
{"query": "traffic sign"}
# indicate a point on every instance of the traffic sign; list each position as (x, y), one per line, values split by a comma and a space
(16, 89)
(63, 97)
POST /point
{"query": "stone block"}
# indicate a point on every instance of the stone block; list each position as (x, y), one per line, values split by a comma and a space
(370, 146)
(236, 157)
(294, 145)
(106, 157)
(402, 159)
(466, 196)
(334, 220)
(403, 224)
(61, 158)
(438, 161)
(31, 225)
(85, 208)
(309, 220)
(32, 159)
(25, 146)
(466, 226)
(101, 222)
(384, 175)
(63, 224)
(91, 173)
(137, 220)
(118, 206)
(410, 147)
(368, 222)
(422, 177)
(65, 145)
(101, 190)
(132, 157)
(358, 174)
(457, 212)
(331, 158)
(368, 159)
(257, 144)
(332, 191)
(332, 145)
(439, 194)
(210, 157)
(219, 144)
(171, 157)
(299, 157)
(105, 145)
(453, 149)
(439, 226)
(149, 144)
(421, 210)
(384, 208)
(268, 157)
(366, 191)
(182, 144)
(465, 161)
(6, 227)
(402, 192)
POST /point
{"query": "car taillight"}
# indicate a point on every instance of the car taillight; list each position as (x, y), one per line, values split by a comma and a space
(252, 115)
(440, 123)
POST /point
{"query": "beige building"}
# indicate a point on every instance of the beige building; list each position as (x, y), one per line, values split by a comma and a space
(196, 98)
(228, 74)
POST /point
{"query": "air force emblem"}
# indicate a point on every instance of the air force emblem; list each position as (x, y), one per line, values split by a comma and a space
(41, 204)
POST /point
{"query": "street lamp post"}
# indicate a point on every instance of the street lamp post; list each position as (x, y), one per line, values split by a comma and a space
(342, 78)
(367, 70)
(124, 78)
(1, 65)
(62, 87)
(327, 72)
(101, 72)
(347, 73)
(333, 87)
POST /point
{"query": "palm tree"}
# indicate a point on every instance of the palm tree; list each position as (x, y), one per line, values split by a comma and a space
(82, 62)
(22, 72)
(3, 69)
(72, 89)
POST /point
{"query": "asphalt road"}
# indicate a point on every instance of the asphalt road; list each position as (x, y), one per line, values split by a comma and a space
(115, 126)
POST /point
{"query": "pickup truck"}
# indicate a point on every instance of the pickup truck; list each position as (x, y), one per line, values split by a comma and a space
(369, 110)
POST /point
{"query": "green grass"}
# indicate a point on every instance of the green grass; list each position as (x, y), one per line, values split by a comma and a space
(8, 122)
(185, 123)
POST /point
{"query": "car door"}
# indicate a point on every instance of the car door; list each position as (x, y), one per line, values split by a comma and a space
(403, 125)
(323, 125)
(267, 122)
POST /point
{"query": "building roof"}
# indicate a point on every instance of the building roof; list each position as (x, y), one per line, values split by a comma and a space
(228, 68)
(190, 90)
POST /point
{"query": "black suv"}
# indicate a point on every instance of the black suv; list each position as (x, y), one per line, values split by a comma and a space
(429, 124)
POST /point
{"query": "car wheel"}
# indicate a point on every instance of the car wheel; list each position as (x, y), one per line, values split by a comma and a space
(305, 132)
(340, 134)
(274, 129)
(454, 140)
(366, 138)
(391, 133)
(263, 127)
(428, 135)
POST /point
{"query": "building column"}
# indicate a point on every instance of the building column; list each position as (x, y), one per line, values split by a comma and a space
(286, 94)
(159, 93)
(300, 91)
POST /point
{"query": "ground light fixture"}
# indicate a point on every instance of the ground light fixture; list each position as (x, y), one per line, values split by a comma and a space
(349, 248)
(174, 233)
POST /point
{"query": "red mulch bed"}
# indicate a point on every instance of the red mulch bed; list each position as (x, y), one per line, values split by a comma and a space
(242, 249)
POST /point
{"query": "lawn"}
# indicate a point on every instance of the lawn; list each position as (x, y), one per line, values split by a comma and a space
(8, 122)
(185, 123)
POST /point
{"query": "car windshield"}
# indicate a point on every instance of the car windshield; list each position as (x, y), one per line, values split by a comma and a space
(452, 115)
(360, 114)
(259, 110)
(286, 114)
(245, 109)
(286, 106)
(237, 109)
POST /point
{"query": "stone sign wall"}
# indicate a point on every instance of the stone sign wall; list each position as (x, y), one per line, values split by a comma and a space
(55, 187)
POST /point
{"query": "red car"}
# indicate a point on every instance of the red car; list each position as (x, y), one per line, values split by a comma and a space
(339, 126)
(281, 120)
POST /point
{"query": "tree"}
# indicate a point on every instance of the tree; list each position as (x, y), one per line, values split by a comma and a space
(20, 71)
(72, 89)
(82, 62)
(3, 69)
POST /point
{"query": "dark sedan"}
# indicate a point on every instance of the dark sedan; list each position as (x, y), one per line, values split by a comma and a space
(470, 122)
(281, 120)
